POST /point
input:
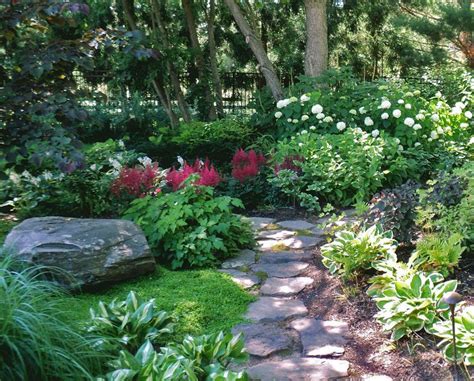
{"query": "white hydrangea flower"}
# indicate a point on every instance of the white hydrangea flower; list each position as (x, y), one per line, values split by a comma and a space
(362, 110)
(375, 133)
(397, 140)
(409, 122)
(417, 92)
(468, 114)
(358, 130)
(317, 109)
(460, 105)
(456, 110)
(430, 139)
(93, 167)
(341, 126)
(417, 127)
(424, 136)
(438, 94)
(401, 101)
(328, 119)
(353, 112)
(417, 144)
(289, 120)
(400, 147)
(435, 118)
(420, 116)
(312, 128)
(440, 130)
(283, 103)
(384, 115)
(278, 114)
(447, 129)
(385, 104)
(408, 106)
(368, 121)
(145, 161)
(439, 105)
(300, 144)
(121, 144)
(293, 99)
(397, 113)
(409, 94)
(304, 118)
(464, 125)
(294, 121)
(304, 132)
(304, 98)
(434, 135)
(320, 116)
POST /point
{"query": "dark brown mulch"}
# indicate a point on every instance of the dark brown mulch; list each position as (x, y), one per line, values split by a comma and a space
(370, 350)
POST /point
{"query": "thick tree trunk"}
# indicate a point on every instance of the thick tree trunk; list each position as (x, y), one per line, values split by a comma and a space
(258, 50)
(156, 83)
(182, 104)
(316, 55)
(216, 79)
(200, 62)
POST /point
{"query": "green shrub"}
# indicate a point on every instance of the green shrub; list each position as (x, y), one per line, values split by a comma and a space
(351, 253)
(437, 253)
(216, 140)
(412, 304)
(191, 227)
(464, 337)
(127, 324)
(36, 343)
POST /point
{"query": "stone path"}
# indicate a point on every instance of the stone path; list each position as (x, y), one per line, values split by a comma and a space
(284, 343)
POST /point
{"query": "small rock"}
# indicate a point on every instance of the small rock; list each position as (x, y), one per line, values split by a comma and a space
(284, 257)
(284, 286)
(259, 223)
(321, 338)
(302, 242)
(243, 279)
(296, 225)
(263, 339)
(245, 258)
(299, 369)
(281, 270)
(275, 234)
(269, 309)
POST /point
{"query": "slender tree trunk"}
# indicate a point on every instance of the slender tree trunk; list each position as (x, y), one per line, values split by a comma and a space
(258, 50)
(200, 62)
(160, 90)
(216, 79)
(182, 104)
(316, 55)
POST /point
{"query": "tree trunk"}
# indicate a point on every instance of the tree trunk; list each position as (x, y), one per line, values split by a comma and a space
(157, 85)
(258, 50)
(316, 54)
(182, 104)
(216, 79)
(200, 62)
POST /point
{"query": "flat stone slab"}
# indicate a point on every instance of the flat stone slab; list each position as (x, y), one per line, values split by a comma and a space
(285, 286)
(242, 279)
(299, 369)
(262, 339)
(268, 244)
(275, 234)
(281, 270)
(320, 337)
(296, 225)
(245, 258)
(302, 242)
(270, 309)
(284, 257)
(261, 222)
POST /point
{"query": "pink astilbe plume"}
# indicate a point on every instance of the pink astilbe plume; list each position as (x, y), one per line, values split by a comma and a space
(135, 181)
(246, 165)
(208, 175)
(291, 163)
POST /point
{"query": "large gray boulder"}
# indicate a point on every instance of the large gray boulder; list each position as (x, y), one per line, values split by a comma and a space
(91, 251)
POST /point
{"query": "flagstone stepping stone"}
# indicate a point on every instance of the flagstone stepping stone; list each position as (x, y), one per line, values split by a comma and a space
(281, 270)
(284, 257)
(296, 225)
(299, 369)
(263, 339)
(302, 242)
(270, 309)
(245, 258)
(243, 279)
(275, 234)
(268, 244)
(321, 338)
(285, 286)
(260, 222)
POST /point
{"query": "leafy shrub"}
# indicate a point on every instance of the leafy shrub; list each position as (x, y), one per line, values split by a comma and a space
(208, 176)
(36, 342)
(127, 324)
(395, 210)
(191, 227)
(464, 337)
(437, 253)
(343, 169)
(350, 253)
(413, 304)
(197, 358)
(216, 140)
(446, 190)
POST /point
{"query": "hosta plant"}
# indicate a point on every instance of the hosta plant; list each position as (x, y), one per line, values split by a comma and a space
(197, 358)
(464, 337)
(389, 272)
(410, 305)
(351, 253)
(128, 323)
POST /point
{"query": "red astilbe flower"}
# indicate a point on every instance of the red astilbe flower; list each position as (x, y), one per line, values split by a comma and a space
(208, 175)
(246, 164)
(290, 163)
(135, 181)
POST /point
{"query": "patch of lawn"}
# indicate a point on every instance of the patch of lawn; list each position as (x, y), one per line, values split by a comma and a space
(204, 301)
